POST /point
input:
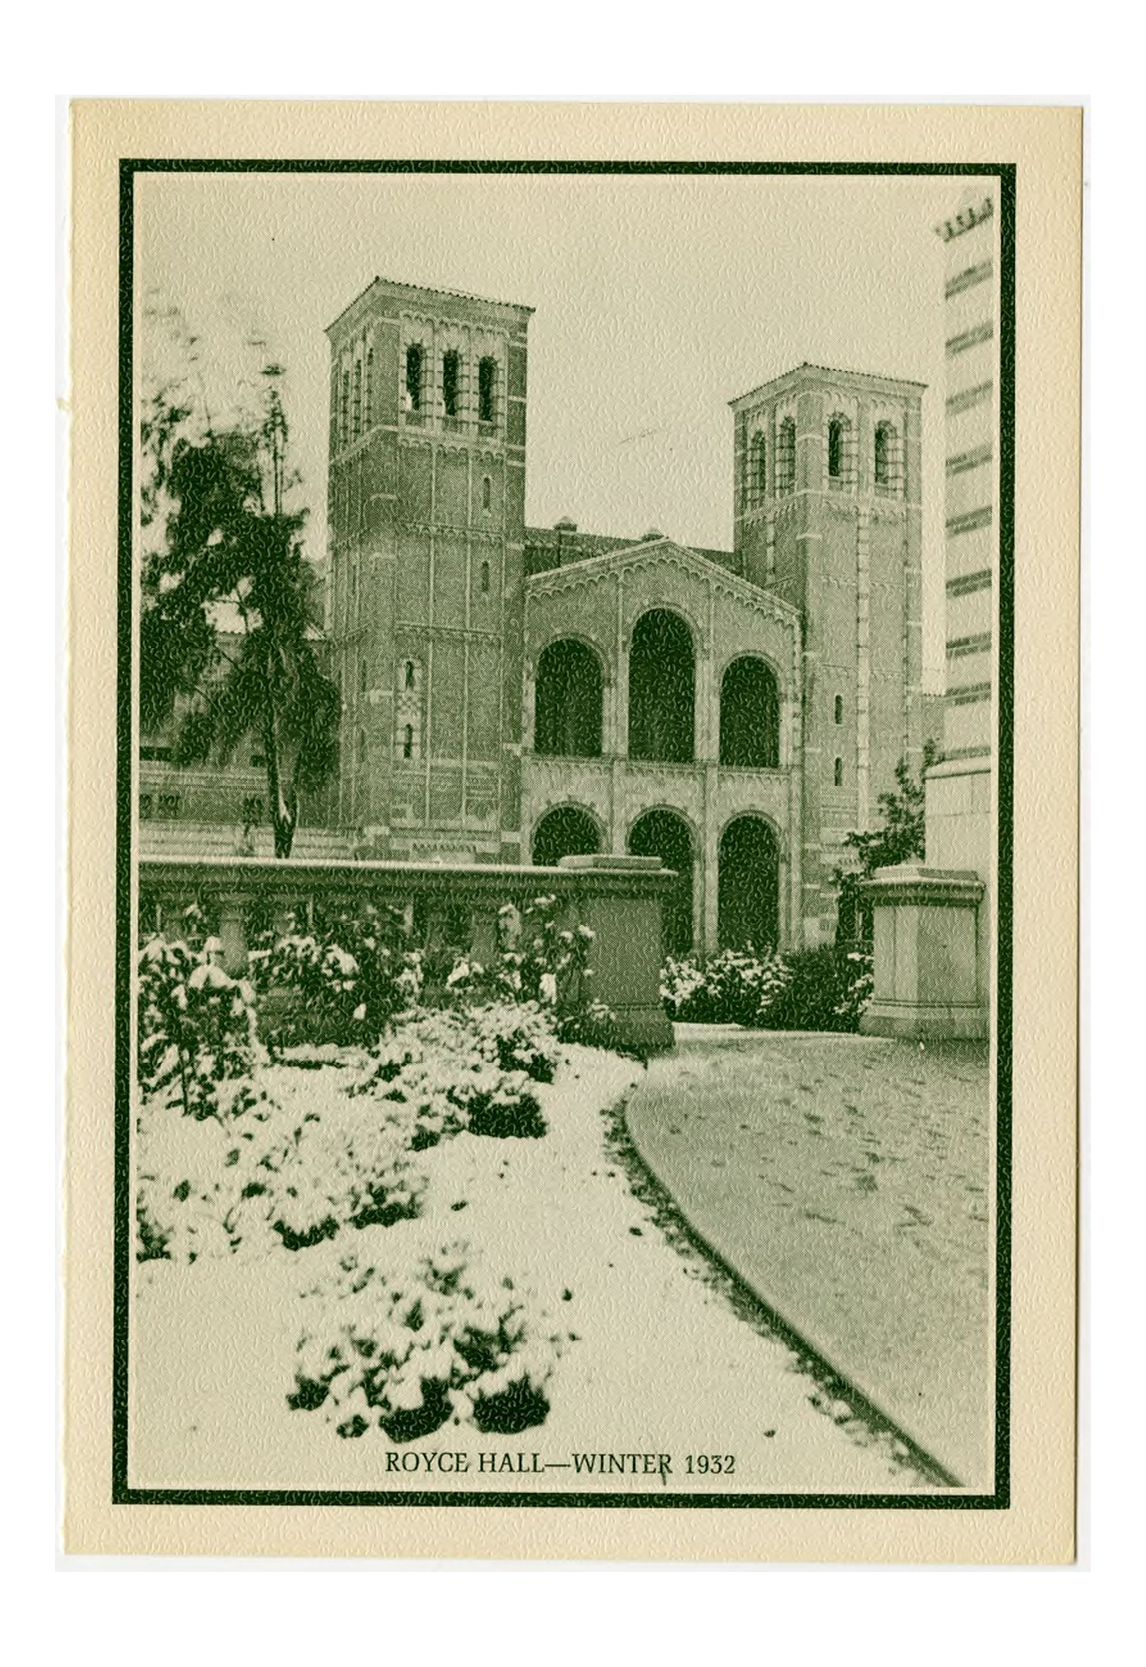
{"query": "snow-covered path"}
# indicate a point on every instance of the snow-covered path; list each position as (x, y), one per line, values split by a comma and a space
(661, 1364)
(847, 1181)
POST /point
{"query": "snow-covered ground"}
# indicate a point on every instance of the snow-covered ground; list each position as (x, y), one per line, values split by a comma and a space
(661, 1364)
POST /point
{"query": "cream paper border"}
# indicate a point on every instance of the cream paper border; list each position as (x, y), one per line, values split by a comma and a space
(1046, 145)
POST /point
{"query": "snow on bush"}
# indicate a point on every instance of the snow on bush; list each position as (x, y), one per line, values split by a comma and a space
(206, 1187)
(198, 1042)
(445, 1070)
(732, 987)
(348, 977)
(409, 1350)
(817, 989)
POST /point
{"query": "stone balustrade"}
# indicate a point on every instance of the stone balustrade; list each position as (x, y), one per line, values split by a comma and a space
(621, 899)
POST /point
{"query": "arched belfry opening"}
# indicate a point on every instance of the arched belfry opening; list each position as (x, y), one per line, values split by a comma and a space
(567, 702)
(567, 831)
(749, 885)
(662, 682)
(664, 834)
(750, 715)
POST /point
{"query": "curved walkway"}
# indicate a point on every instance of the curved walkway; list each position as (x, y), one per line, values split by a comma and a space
(845, 1179)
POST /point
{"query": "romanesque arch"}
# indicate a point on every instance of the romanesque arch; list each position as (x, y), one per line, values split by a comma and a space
(665, 834)
(750, 715)
(568, 831)
(662, 684)
(749, 885)
(567, 701)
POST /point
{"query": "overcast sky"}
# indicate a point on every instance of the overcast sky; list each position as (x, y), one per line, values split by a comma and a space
(657, 300)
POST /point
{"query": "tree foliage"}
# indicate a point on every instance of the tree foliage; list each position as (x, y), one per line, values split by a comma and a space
(212, 505)
(900, 838)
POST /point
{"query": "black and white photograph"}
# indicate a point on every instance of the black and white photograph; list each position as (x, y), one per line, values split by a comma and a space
(565, 835)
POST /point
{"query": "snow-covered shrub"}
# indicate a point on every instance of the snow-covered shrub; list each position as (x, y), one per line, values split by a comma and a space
(207, 1187)
(444, 1070)
(518, 1036)
(732, 987)
(352, 1168)
(407, 1351)
(815, 989)
(347, 978)
(827, 989)
(198, 1045)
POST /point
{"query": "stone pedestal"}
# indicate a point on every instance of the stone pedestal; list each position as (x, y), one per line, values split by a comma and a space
(627, 952)
(927, 954)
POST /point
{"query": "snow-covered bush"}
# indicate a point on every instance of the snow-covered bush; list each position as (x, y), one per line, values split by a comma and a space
(827, 989)
(407, 1351)
(352, 1168)
(816, 989)
(198, 1045)
(732, 987)
(444, 1070)
(207, 1187)
(347, 978)
(517, 1036)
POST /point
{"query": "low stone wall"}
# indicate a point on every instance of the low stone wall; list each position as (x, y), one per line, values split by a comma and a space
(620, 898)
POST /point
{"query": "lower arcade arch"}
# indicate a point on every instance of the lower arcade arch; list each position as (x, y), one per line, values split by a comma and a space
(748, 910)
(664, 834)
(567, 831)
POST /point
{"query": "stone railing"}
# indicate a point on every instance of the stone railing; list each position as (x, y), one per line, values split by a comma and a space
(620, 898)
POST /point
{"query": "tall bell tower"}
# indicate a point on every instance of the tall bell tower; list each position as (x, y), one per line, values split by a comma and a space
(828, 516)
(427, 532)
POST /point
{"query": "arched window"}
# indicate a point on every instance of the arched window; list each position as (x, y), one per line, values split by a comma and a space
(886, 458)
(344, 414)
(786, 456)
(370, 389)
(486, 492)
(487, 391)
(408, 741)
(361, 746)
(567, 705)
(568, 831)
(409, 674)
(663, 834)
(748, 885)
(757, 470)
(357, 398)
(835, 448)
(362, 674)
(839, 709)
(415, 362)
(662, 680)
(749, 716)
(451, 381)
(838, 773)
(485, 578)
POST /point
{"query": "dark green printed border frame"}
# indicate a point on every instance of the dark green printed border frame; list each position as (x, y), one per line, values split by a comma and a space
(122, 1491)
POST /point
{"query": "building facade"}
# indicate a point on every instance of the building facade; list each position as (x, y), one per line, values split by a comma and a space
(516, 694)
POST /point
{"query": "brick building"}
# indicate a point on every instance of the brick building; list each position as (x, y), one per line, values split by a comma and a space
(516, 694)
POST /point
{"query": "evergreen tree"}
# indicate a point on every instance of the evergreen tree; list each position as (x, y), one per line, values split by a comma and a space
(216, 496)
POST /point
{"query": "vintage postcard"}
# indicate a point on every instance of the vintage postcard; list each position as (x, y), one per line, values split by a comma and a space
(572, 860)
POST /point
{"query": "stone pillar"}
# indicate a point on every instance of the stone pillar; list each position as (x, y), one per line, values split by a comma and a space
(626, 954)
(927, 954)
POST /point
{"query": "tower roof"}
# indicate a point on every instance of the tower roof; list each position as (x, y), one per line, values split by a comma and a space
(823, 375)
(418, 295)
